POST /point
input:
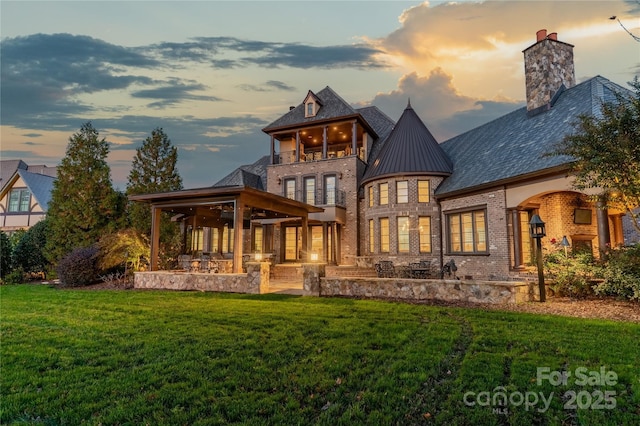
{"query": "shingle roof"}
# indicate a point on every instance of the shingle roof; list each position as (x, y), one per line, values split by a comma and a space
(39, 185)
(333, 106)
(252, 175)
(8, 168)
(380, 123)
(515, 144)
(409, 149)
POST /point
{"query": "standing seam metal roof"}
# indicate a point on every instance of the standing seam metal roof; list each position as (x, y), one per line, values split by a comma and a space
(409, 149)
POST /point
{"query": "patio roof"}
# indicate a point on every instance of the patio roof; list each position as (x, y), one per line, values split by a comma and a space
(208, 204)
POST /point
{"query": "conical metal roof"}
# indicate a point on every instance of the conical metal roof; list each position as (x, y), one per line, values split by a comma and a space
(410, 149)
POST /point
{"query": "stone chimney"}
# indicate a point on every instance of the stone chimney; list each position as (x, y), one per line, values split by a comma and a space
(548, 64)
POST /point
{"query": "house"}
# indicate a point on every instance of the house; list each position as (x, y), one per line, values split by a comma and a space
(24, 195)
(390, 191)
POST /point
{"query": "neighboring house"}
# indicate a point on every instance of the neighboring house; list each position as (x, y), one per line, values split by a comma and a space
(389, 191)
(25, 194)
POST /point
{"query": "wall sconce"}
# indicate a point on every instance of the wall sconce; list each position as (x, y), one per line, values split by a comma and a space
(339, 175)
(313, 257)
(279, 181)
(258, 257)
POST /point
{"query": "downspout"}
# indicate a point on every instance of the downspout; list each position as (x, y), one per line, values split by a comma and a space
(441, 234)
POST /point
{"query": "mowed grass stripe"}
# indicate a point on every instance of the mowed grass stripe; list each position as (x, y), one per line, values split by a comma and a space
(118, 357)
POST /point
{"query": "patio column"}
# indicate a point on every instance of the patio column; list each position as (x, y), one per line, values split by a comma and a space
(156, 214)
(325, 243)
(297, 146)
(273, 150)
(305, 238)
(602, 216)
(237, 236)
(324, 143)
(354, 138)
(517, 239)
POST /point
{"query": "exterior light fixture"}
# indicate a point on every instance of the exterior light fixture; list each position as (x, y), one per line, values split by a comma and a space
(565, 244)
(258, 257)
(537, 231)
(313, 256)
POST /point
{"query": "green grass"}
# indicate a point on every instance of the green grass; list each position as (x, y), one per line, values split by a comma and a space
(133, 357)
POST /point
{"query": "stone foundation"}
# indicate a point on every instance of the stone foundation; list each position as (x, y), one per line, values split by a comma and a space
(494, 292)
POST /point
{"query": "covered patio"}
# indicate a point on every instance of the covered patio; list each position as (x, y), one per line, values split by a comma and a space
(232, 206)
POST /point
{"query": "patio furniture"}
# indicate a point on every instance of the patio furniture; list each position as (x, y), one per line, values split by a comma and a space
(385, 269)
(422, 270)
(184, 261)
(205, 263)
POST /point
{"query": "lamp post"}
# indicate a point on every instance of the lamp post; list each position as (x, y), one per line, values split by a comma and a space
(537, 231)
(565, 244)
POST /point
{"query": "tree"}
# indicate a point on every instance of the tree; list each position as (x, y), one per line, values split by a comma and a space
(29, 253)
(83, 204)
(154, 170)
(606, 149)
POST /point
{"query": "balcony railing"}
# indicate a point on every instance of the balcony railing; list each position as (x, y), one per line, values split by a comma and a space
(334, 197)
(288, 157)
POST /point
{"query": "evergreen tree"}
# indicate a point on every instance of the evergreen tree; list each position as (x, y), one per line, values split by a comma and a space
(83, 204)
(154, 170)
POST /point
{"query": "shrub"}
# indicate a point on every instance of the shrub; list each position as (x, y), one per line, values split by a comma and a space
(79, 268)
(5, 255)
(16, 276)
(621, 274)
(125, 248)
(29, 252)
(572, 275)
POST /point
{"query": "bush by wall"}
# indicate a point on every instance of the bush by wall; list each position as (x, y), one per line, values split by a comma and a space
(79, 268)
(621, 274)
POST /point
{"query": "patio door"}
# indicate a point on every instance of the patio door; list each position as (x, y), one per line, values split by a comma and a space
(292, 243)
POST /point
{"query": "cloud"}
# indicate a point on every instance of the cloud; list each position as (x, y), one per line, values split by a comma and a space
(268, 86)
(444, 110)
(174, 93)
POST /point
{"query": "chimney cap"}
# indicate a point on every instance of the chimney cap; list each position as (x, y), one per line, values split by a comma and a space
(541, 35)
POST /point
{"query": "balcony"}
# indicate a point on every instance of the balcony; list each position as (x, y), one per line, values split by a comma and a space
(289, 157)
(335, 197)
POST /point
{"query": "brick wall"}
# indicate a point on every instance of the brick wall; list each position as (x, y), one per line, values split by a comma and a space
(413, 209)
(496, 264)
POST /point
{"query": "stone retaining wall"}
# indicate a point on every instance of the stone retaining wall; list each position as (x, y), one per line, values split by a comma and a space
(255, 281)
(447, 290)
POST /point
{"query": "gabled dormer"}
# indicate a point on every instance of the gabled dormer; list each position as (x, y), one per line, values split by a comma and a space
(312, 105)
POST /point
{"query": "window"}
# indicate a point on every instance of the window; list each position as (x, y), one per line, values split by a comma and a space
(330, 190)
(424, 229)
(290, 188)
(214, 240)
(371, 196)
(468, 232)
(19, 200)
(403, 234)
(384, 235)
(257, 239)
(423, 191)
(384, 194)
(372, 239)
(291, 243)
(310, 112)
(227, 239)
(316, 240)
(402, 191)
(310, 190)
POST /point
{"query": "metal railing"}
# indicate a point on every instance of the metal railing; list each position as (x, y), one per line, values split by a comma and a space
(333, 197)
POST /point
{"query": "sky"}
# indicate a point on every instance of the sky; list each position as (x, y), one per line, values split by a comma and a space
(212, 74)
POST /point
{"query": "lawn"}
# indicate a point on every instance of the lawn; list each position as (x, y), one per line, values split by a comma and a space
(152, 357)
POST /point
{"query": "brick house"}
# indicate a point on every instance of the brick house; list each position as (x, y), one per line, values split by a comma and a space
(390, 191)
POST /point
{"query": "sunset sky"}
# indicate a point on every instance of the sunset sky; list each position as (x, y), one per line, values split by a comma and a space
(213, 73)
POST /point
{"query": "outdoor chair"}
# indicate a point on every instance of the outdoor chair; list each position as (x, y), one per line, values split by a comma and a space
(385, 269)
(184, 260)
(205, 263)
